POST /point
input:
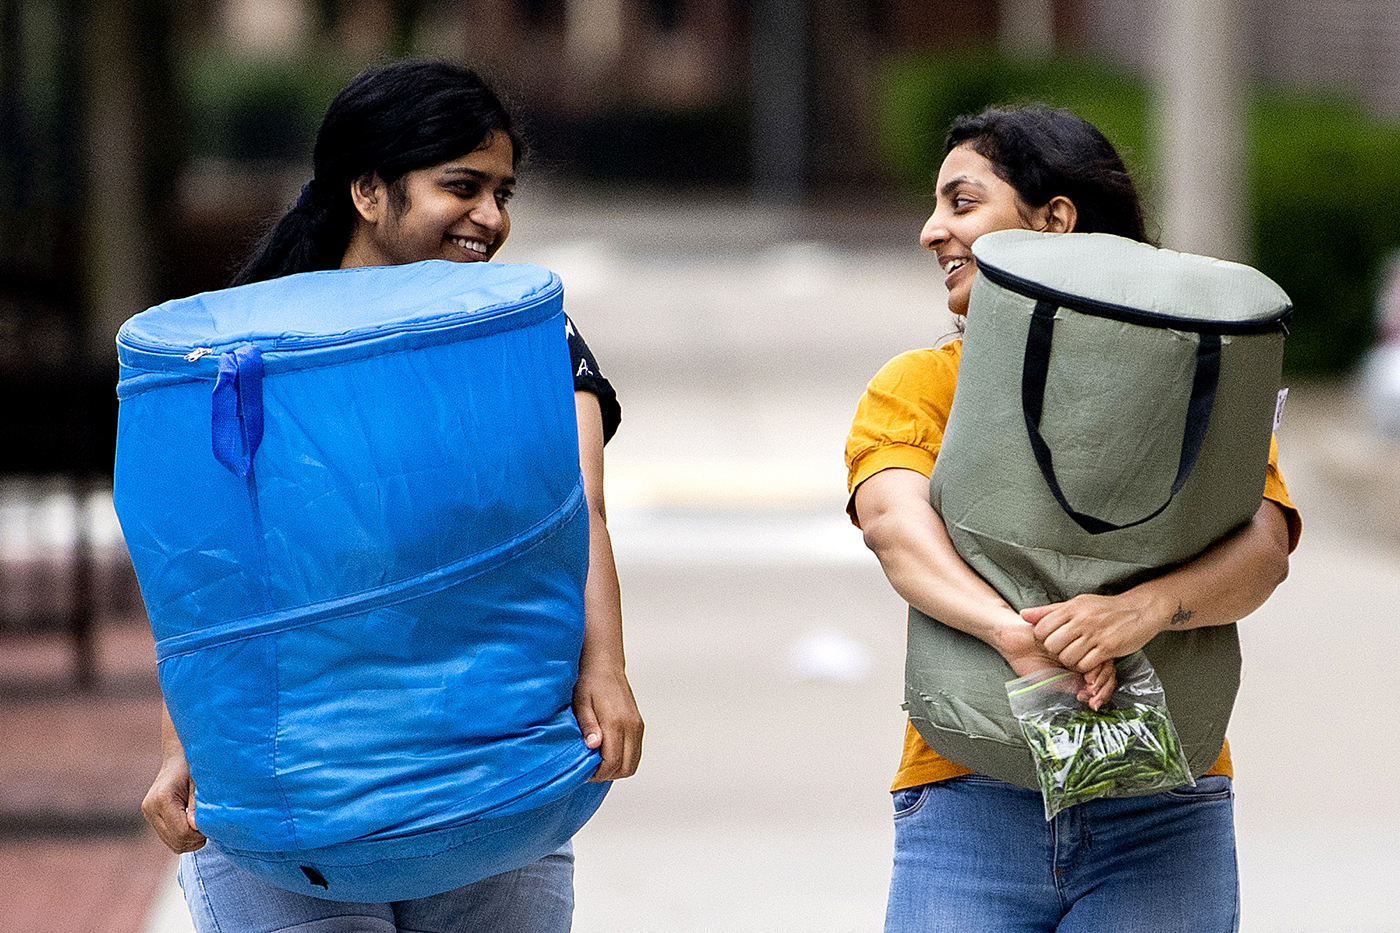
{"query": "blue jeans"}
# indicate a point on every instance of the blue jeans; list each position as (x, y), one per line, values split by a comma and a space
(226, 898)
(976, 855)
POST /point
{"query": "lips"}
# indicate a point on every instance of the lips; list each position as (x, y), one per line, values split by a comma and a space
(952, 266)
(471, 249)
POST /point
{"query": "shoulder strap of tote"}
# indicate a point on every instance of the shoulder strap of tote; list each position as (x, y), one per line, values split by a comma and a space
(1033, 376)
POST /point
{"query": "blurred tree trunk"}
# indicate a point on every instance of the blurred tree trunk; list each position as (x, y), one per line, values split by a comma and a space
(779, 91)
(1201, 119)
(41, 176)
(1027, 28)
(136, 150)
(846, 151)
(120, 264)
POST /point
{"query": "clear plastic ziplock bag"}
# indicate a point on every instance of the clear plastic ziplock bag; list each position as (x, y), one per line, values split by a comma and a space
(1127, 747)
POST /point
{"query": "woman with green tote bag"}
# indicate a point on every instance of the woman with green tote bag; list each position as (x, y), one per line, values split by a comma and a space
(974, 852)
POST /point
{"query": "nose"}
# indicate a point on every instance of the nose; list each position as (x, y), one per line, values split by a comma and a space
(935, 232)
(487, 213)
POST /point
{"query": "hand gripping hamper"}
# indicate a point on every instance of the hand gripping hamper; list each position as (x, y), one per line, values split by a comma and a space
(354, 506)
(1112, 418)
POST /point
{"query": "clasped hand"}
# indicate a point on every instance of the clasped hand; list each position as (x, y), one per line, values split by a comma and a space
(1084, 634)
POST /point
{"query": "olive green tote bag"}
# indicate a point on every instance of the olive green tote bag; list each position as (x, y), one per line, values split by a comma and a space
(1112, 419)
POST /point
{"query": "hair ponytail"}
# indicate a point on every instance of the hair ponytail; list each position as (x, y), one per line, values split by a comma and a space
(308, 237)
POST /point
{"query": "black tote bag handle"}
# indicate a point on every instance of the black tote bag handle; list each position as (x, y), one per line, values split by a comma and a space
(1033, 376)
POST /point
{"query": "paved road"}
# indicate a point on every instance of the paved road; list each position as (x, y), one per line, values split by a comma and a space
(766, 648)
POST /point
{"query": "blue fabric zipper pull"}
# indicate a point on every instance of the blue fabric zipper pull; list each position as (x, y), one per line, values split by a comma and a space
(237, 423)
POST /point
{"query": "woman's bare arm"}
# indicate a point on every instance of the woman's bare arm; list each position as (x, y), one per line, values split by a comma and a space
(1225, 583)
(169, 804)
(603, 701)
(919, 560)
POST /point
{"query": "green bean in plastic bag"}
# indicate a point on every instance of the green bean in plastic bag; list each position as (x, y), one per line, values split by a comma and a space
(1125, 748)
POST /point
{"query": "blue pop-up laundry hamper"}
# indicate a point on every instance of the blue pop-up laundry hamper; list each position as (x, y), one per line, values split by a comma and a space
(354, 506)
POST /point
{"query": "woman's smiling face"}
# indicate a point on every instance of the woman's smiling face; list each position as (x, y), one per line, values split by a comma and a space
(454, 210)
(971, 200)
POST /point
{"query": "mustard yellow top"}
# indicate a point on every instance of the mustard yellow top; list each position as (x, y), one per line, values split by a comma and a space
(899, 423)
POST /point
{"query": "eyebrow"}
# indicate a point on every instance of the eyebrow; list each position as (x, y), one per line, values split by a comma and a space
(506, 181)
(953, 183)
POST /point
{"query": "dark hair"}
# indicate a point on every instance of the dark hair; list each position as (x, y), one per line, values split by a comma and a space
(1043, 152)
(389, 121)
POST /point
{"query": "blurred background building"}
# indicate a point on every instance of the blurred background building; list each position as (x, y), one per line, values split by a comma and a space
(145, 140)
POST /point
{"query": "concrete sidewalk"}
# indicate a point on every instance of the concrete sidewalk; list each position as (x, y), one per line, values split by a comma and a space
(75, 855)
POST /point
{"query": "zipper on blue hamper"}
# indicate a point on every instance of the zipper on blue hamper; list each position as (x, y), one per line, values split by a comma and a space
(316, 341)
(1130, 315)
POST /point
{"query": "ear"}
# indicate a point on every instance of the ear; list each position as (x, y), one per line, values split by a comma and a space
(1061, 215)
(370, 196)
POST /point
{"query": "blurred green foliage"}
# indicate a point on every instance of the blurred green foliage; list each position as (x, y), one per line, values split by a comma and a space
(1326, 219)
(1325, 176)
(251, 108)
(921, 94)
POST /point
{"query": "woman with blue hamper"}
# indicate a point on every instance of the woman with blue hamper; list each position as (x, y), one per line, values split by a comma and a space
(417, 161)
(973, 853)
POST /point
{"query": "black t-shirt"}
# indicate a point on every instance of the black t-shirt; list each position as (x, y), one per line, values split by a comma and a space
(587, 378)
